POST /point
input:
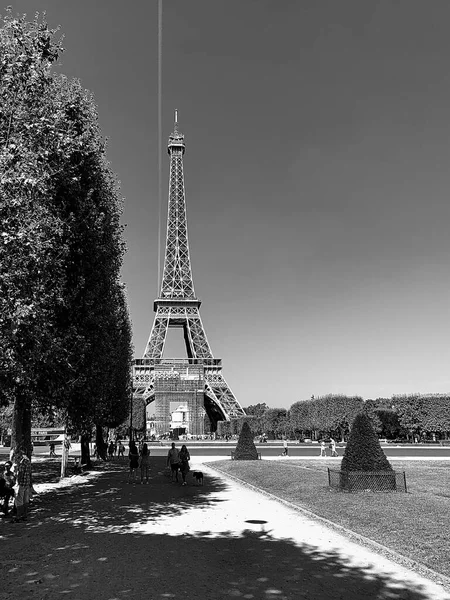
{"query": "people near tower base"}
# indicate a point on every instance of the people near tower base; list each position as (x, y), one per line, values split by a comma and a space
(121, 449)
(173, 461)
(133, 457)
(184, 458)
(144, 463)
(110, 450)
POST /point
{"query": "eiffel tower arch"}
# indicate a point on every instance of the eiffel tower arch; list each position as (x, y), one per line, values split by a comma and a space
(195, 382)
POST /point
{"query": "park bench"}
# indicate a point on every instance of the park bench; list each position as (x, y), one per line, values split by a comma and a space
(233, 452)
(444, 442)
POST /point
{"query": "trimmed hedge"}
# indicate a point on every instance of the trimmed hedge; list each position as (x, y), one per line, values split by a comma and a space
(245, 448)
(363, 451)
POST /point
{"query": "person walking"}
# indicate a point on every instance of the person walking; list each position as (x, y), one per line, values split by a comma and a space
(111, 450)
(22, 466)
(184, 458)
(52, 450)
(133, 457)
(285, 447)
(121, 450)
(145, 463)
(333, 447)
(323, 450)
(173, 461)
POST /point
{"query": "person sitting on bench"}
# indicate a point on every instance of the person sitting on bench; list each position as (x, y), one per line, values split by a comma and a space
(7, 483)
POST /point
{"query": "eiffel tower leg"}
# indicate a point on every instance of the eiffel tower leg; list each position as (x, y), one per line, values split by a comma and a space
(195, 335)
(219, 392)
(144, 379)
(220, 402)
(157, 339)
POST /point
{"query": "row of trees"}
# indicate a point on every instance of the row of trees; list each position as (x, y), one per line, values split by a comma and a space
(65, 334)
(408, 416)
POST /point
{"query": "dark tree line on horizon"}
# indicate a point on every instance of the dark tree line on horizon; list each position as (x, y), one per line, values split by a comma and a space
(409, 416)
(65, 333)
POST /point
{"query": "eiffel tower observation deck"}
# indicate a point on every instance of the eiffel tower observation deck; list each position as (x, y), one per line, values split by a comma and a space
(195, 382)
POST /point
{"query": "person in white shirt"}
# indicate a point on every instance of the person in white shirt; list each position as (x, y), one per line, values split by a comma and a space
(173, 461)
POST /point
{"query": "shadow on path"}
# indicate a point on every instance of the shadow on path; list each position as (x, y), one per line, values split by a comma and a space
(81, 543)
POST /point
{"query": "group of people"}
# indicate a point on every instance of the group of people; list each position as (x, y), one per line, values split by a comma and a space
(113, 448)
(331, 446)
(15, 483)
(139, 461)
(116, 449)
(178, 460)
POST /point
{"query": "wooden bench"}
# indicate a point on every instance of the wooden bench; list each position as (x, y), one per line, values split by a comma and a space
(233, 452)
(444, 442)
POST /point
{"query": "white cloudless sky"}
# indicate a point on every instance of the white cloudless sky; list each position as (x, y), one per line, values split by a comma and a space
(317, 181)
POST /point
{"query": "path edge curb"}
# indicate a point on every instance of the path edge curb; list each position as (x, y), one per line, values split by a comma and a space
(395, 556)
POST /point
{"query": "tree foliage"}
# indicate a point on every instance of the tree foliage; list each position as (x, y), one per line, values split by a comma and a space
(332, 413)
(384, 418)
(256, 410)
(419, 413)
(274, 422)
(65, 336)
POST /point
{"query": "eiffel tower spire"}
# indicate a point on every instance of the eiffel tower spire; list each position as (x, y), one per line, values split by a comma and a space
(177, 278)
(167, 380)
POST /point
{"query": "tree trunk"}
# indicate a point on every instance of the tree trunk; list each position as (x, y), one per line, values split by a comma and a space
(85, 450)
(21, 425)
(100, 443)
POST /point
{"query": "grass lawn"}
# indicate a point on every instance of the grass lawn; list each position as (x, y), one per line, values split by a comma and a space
(415, 524)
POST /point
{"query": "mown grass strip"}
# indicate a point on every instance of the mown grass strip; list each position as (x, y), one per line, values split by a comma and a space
(414, 524)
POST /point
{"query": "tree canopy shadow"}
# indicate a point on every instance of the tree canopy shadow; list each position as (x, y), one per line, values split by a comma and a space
(81, 542)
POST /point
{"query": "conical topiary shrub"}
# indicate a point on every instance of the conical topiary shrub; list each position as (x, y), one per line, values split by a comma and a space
(363, 451)
(364, 454)
(245, 448)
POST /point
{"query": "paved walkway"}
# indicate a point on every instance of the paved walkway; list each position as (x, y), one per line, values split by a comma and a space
(105, 539)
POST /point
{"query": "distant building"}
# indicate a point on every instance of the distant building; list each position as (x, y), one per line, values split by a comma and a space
(182, 423)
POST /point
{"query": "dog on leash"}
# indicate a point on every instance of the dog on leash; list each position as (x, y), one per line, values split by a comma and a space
(198, 476)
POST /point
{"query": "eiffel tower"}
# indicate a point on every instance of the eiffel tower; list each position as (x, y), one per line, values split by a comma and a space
(197, 380)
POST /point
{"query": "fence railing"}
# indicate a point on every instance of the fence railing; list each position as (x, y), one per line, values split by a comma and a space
(362, 481)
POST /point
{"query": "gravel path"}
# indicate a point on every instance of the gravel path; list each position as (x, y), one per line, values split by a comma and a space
(100, 538)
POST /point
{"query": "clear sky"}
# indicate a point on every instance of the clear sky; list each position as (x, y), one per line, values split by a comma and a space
(317, 180)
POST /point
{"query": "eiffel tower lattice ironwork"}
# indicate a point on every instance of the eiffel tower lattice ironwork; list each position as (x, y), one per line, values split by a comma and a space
(178, 306)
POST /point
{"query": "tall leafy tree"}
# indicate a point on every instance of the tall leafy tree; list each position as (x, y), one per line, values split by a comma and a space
(64, 331)
(437, 414)
(274, 422)
(32, 246)
(256, 410)
(412, 413)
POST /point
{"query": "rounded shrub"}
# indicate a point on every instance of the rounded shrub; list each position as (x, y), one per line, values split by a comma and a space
(245, 448)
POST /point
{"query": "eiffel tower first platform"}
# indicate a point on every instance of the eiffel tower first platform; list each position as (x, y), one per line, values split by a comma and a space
(195, 382)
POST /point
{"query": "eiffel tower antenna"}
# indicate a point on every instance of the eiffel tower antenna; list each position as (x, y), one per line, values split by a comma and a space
(196, 381)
